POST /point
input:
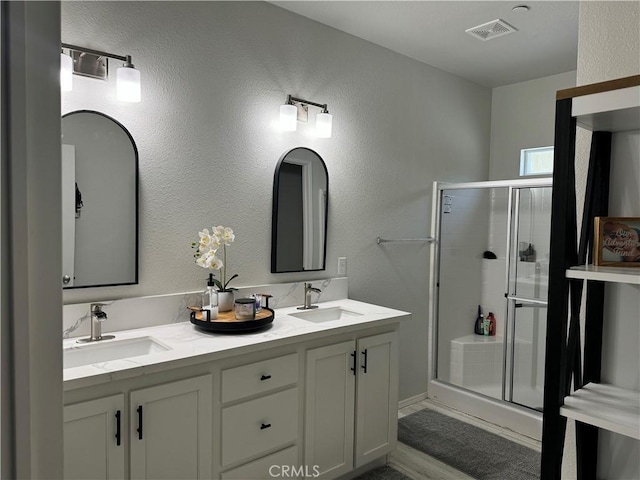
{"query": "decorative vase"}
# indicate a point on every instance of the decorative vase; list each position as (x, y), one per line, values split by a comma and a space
(225, 301)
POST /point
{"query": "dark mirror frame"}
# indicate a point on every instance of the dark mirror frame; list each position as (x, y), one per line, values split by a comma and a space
(274, 216)
(137, 195)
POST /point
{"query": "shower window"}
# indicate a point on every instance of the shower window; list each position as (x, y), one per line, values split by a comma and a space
(536, 161)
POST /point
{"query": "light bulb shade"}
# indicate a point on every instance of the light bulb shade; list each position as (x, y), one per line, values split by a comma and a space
(128, 84)
(323, 125)
(66, 73)
(288, 118)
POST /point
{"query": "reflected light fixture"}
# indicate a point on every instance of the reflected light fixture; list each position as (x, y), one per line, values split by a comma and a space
(289, 116)
(93, 64)
(66, 72)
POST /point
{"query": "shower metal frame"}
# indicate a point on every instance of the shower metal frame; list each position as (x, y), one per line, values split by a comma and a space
(436, 218)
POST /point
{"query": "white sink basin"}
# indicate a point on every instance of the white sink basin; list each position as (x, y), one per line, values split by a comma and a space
(325, 314)
(108, 350)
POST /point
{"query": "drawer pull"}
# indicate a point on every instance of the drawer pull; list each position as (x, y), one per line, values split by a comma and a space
(265, 377)
(364, 365)
(353, 369)
(265, 425)
(118, 433)
(139, 430)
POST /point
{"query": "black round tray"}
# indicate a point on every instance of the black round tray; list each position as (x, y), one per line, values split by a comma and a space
(226, 322)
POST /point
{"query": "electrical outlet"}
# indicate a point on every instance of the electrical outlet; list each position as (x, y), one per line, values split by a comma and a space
(342, 265)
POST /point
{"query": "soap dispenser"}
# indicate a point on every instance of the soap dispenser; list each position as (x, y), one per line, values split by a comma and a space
(210, 299)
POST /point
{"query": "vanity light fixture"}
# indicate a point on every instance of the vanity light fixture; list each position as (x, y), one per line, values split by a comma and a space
(66, 72)
(289, 116)
(93, 63)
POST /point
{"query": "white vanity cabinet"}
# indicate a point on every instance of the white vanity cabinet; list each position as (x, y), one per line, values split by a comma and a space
(291, 406)
(170, 430)
(167, 433)
(351, 403)
(259, 414)
(93, 439)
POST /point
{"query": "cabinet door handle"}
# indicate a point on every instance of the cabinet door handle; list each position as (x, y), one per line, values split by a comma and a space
(139, 422)
(265, 425)
(364, 364)
(265, 377)
(354, 355)
(118, 433)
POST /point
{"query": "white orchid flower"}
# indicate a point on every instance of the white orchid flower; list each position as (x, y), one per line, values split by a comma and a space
(201, 261)
(214, 243)
(227, 236)
(211, 261)
(215, 263)
(206, 241)
(207, 247)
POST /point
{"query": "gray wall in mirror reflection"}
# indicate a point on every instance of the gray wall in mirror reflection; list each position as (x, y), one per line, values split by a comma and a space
(300, 212)
(289, 247)
(106, 166)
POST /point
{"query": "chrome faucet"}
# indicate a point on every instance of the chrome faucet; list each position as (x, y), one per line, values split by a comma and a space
(307, 297)
(97, 317)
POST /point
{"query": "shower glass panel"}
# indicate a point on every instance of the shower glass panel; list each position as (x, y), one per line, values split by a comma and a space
(472, 221)
(528, 274)
(492, 255)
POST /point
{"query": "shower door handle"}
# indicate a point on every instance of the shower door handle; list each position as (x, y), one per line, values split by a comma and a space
(527, 302)
(530, 305)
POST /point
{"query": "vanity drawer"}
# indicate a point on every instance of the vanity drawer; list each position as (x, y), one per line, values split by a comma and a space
(259, 377)
(271, 466)
(256, 426)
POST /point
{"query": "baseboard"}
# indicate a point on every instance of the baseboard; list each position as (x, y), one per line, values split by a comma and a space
(411, 400)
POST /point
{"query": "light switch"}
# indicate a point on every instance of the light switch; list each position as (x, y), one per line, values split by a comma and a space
(342, 265)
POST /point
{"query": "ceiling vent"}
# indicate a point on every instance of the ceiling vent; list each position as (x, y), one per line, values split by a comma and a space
(492, 29)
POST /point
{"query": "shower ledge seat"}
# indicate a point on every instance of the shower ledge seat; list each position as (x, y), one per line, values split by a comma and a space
(476, 360)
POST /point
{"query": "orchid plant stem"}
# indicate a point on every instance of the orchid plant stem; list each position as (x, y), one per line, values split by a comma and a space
(224, 267)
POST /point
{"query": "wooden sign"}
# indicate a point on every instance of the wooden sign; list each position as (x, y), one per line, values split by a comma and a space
(617, 241)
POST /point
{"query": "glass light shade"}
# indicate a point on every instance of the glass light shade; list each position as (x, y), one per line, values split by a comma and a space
(323, 125)
(288, 118)
(66, 73)
(128, 84)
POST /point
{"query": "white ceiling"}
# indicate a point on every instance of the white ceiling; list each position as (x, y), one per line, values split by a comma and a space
(433, 32)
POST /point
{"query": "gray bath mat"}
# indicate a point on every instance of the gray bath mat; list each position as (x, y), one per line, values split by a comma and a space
(383, 473)
(472, 450)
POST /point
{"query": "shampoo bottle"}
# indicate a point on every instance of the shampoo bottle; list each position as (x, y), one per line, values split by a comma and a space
(487, 326)
(492, 324)
(478, 327)
(210, 299)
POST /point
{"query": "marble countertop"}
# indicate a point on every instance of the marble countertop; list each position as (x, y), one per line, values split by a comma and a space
(190, 345)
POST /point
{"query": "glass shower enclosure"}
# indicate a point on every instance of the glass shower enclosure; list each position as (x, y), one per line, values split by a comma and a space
(491, 257)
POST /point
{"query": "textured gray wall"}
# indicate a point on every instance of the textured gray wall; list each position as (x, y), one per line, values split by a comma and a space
(522, 116)
(214, 75)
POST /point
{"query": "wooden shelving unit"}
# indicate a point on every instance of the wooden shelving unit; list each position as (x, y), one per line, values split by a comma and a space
(605, 406)
(605, 274)
(605, 108)
(611, 111)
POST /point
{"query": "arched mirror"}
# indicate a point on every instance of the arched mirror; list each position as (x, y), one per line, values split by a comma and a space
(299, 221)
(99, 202)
